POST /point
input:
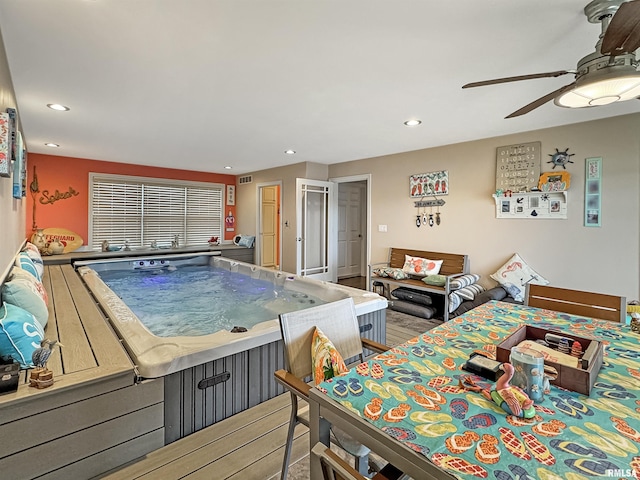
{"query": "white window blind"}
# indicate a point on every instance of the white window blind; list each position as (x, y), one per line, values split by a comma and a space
(143, 210)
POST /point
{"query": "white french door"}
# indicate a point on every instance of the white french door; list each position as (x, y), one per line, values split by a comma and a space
(316, 234)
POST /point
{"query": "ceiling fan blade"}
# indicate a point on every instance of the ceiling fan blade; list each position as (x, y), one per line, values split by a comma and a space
(623, 33)
(517, 79)
(541, 101)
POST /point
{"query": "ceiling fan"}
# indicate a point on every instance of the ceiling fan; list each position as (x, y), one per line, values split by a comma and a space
(608, 75)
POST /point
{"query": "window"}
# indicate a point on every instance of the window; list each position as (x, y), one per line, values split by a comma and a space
(142, 210)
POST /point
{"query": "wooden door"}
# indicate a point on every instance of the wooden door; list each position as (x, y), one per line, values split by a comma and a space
(269, 227)
(350, 237)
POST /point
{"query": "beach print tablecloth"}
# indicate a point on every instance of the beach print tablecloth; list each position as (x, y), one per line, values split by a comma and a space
(411, 392)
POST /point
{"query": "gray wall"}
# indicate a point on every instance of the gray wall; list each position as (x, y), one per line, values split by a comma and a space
(12, 211)
(604, 259)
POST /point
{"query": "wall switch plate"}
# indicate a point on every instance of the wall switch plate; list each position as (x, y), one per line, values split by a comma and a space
(382, 228)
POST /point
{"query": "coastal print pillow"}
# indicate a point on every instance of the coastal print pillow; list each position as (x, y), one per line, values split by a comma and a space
(34, 254)
(24, 262)
(396, 273)
(327, 361)
(514, 276)
(17, 272)
(20, 334)
(421, 267)
(24, 294)
(463, 281)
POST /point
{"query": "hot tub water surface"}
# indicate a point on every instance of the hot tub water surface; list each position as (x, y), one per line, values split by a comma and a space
(196, 300)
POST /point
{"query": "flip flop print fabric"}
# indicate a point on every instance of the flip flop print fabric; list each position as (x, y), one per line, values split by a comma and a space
(411, 393)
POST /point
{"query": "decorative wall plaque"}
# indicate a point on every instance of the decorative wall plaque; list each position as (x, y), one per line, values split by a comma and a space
(433, 183)
(518, 167)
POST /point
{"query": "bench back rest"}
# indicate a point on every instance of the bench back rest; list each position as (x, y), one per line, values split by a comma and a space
(576, 302)
(452, 263)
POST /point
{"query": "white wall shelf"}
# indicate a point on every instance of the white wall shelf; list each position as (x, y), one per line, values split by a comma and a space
(534, 205)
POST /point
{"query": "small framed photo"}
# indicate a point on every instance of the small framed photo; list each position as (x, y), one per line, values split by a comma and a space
(593, 192)
(554, 206)
(506, 206)
(231, 194)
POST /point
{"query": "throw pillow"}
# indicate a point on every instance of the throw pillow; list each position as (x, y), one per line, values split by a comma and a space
(327, 361)
(463, 281)
(435, 280)
(454, 301)
(17, 272)
(469, 292)
(381, 272)
(421, 267)
(397, 273)
(34, 254)
(24, 294)
(20, 334)
(514, 276)
(246, 241)
(23, 261)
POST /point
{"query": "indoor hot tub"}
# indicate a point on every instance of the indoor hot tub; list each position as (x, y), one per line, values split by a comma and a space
(175, 315)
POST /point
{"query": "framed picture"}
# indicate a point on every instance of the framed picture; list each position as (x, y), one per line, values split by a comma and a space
(429, 184)
(17, 168)
(554, 206)
(554, 181)
(506, 206)
(593, 192)
(231, 194)
(5, 145)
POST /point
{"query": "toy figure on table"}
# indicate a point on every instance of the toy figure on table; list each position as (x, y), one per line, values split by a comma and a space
(510, 398)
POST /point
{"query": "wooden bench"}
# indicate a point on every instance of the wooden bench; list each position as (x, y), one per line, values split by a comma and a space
(453, 265)
(95, 416)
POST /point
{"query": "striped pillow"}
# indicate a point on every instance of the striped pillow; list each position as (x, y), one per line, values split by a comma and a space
(470, 292)
(463, 281)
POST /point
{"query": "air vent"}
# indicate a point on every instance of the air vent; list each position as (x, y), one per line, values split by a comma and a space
(245, 179)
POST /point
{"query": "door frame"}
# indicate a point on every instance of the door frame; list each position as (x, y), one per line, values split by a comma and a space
(364, 268)
(258, 247)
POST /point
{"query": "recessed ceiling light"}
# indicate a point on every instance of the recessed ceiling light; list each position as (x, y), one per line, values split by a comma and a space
(58, 107)
(55, 145)
(412, 123)
(228, 167)
(290, 152)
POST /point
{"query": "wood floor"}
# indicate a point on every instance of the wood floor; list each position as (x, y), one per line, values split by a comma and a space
(247, 446)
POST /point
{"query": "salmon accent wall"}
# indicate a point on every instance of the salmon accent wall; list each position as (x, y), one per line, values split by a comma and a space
(70, 175)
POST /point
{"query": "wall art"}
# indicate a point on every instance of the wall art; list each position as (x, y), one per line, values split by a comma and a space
(518, 167)
(5, 145)
(593, 192)
(554, 181)
(433, 183)
(17, 168)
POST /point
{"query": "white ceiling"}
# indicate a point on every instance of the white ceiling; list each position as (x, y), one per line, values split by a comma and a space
(200, 84)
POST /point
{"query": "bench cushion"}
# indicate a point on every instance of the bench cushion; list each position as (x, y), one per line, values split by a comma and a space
(413, 309)
(411, 295)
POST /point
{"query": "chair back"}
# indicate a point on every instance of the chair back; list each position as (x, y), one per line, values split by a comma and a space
(576, 302)
(337, 320)
(333, 467)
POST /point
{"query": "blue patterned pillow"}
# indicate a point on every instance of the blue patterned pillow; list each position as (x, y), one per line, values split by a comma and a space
(24, 262)
(20, 334)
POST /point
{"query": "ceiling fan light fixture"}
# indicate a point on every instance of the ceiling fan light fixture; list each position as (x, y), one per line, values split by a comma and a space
(601, 92)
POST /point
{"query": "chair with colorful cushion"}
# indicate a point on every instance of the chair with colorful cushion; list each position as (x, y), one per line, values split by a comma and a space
(335, 468)
(339, 323)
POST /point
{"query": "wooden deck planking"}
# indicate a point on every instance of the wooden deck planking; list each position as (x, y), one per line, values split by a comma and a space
(95, 325)
(76, 353)
(245, 446)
